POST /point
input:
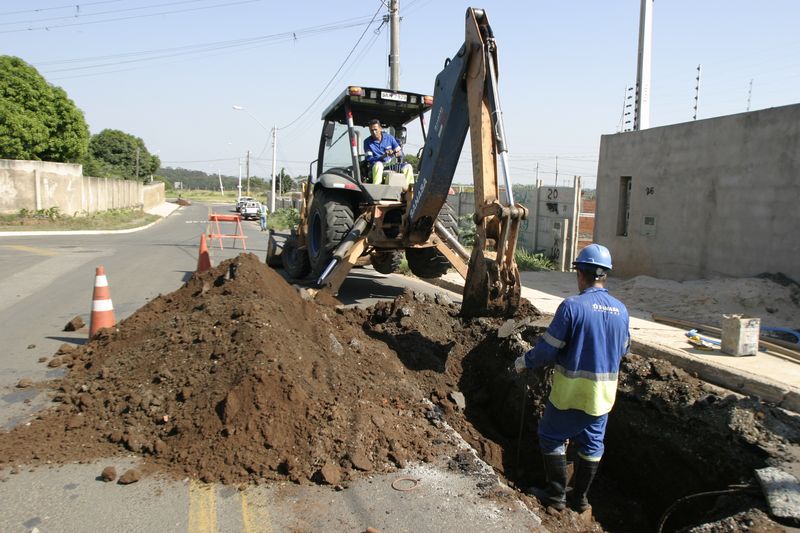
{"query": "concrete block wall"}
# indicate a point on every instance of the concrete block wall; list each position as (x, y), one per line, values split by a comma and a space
(715, 197)
(35, 185)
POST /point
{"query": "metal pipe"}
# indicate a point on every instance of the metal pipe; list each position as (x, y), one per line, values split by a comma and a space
(452, 241)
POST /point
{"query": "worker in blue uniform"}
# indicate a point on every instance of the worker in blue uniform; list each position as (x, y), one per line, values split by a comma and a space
(585, 341)
(379, 148)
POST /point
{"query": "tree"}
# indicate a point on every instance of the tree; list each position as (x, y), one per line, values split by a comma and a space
(286, 181)
(116, 154)
(38, 121)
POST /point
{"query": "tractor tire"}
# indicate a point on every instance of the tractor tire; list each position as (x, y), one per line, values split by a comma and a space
(329, 221)
(426, 263)
(273, 257)
(387, 262)
(295, 261)
(429, 263)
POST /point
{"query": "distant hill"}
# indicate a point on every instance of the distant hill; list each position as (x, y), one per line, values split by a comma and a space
(197, 179)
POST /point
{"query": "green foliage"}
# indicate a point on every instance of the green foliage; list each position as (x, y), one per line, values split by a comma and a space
(114, 154)
(38, 121)
(413, 161)
(466, 230)
(285, 218)
(532, 261)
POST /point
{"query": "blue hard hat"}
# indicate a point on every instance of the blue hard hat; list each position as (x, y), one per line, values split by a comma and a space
(594, 255)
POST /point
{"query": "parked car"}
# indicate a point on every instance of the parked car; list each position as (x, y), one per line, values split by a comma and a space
(241, 201)
(250, 210)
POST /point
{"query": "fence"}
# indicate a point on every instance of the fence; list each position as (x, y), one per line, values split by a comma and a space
(37, 185)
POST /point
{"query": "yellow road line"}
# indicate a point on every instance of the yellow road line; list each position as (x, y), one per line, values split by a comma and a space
(29, 249)
(202, 508)
(255, 517)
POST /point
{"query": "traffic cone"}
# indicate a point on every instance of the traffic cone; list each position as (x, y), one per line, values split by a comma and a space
(102, 308)
(203, 260)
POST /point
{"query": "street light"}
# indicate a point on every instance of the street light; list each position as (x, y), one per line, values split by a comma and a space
(274, 134)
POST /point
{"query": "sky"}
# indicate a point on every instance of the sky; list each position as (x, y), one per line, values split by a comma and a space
(172, 71)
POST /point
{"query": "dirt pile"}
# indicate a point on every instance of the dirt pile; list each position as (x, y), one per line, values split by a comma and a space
(235, 379)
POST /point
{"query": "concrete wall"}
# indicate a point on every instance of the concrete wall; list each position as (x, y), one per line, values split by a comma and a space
(35, 185)
(716, 197)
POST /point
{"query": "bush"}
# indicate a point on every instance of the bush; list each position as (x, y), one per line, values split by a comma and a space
(533, 261)
(284, 218)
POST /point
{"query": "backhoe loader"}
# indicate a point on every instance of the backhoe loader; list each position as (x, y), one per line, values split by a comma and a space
(346, 219)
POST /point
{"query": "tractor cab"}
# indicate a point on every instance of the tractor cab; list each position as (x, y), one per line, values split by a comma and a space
(342, 163)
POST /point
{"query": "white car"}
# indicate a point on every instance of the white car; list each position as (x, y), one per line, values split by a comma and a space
(241, 201)
(250, 210)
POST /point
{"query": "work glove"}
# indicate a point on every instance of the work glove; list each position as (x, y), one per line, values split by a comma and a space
(519, 364)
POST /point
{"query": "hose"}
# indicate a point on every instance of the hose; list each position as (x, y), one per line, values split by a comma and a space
(732, 489)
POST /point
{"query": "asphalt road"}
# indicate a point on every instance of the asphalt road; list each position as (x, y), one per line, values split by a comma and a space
(48, 280)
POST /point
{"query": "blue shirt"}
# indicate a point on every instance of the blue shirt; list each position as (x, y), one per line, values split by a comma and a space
(586, 340)
(376, 151)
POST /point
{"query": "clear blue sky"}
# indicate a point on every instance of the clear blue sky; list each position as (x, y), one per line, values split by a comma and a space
(170, 71)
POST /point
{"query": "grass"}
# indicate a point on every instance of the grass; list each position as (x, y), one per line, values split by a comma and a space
(203, 195)
(53, 220)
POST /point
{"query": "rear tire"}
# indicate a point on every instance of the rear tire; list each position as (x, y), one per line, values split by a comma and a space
(429, 263)
(329, 221)
(387, 262)
(295, 261)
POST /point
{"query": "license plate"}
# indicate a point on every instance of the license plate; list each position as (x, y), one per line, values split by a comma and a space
(394, 96)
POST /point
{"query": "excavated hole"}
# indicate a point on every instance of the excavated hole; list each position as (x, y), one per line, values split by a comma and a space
(667, 437)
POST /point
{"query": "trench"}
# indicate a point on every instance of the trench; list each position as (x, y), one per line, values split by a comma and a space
(658, 449)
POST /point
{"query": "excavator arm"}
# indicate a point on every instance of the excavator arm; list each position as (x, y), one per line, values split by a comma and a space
(466, 99)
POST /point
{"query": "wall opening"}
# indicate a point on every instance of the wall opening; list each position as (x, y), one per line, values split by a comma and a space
(624, 206)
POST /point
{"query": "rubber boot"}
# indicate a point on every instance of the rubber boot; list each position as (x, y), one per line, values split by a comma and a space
(584, 475)
(554, 494)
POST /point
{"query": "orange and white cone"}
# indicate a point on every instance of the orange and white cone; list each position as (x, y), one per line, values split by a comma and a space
(102, 308)
(203, 260)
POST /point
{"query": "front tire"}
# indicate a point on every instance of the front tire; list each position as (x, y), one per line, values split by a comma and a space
(330, 219)
(295, 261)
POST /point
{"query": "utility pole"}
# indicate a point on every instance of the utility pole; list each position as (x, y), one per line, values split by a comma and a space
(556, 171)
(248, 173)
(219, 177)
(641, 119)
(274, 149)
(240, 179)
(696, 93)
(394, 47)
(137, 163)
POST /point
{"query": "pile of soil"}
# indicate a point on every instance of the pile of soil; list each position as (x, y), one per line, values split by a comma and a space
(235, 378)
(239, 378)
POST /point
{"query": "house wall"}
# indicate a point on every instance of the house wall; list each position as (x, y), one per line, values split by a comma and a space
(715, 197)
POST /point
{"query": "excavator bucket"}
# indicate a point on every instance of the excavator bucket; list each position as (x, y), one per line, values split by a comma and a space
(491, 288)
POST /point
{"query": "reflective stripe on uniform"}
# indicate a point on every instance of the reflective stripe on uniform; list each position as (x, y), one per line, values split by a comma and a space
(586, 374)
(552, 341)
(592, 396)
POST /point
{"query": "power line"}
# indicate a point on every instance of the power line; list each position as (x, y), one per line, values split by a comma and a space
(66, 6)
(48, 28)
(337, 70)
(79, 14)
(153, 55)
